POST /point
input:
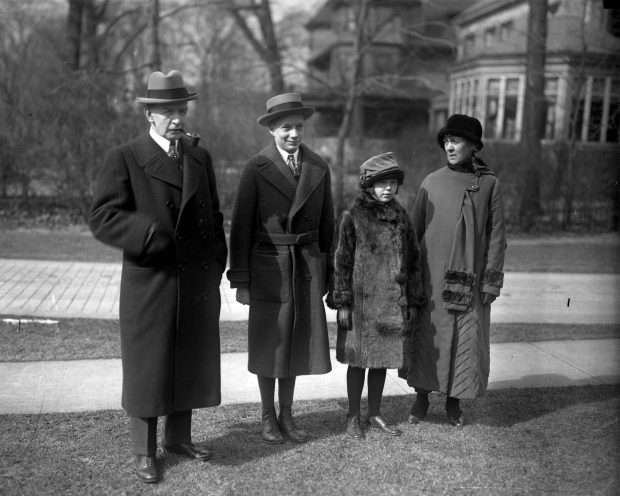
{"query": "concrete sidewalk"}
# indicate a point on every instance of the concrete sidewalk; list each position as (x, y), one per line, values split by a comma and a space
(91, 290)
(85, 385)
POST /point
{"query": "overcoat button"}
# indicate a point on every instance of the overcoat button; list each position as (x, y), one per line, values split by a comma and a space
(203, 204)
(169, 204)
(205, 266)
(179, 236)
(201, 222)
(181, 267)
(204, 296)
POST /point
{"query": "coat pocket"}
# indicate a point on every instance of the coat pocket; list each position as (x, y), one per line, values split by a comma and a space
(270, 277)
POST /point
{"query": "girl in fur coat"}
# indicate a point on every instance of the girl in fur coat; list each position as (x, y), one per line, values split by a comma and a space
(376, 284)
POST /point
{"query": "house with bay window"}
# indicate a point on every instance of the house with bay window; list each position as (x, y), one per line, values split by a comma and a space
(582, 73)
(580, 168)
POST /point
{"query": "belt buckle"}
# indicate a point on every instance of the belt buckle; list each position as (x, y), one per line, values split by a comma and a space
(303, 239)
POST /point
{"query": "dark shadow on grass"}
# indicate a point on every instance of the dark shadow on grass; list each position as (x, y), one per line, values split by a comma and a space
(238, 441)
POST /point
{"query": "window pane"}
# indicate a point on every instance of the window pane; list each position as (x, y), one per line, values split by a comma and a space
(551, 98)
(510, 117)
(492, 105)
(613, 123)
(596, 109)
(512, 86)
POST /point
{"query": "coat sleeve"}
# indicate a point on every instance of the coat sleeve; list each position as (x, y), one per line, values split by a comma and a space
(415, 286)
(493, 277)
(113, 218)
(243, 225)
(419, 211)
(218, 218)
(326, 227)
(343, 262)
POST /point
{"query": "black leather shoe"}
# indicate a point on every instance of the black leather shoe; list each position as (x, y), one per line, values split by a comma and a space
(288, 428)
(271, 431)
(189, 450)
(454, 412)
(377, 421)
(354, 428)
(419, 410)
(146, 469)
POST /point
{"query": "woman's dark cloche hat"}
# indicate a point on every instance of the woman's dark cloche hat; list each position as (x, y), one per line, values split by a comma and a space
(380, 167)
(285, 104)
(463, 126)
(166, 88)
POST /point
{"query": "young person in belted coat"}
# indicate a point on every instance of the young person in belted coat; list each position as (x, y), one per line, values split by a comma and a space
(376, 287)
(459, 219)
(281, 232)
(156, 200)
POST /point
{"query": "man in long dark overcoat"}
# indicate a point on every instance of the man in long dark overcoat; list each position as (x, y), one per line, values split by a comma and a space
(281, 232)
(156, 200)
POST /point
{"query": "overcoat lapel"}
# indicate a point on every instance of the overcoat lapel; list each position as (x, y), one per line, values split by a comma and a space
(155, 162)
(271, 171)
(192, 173)
(312, 174)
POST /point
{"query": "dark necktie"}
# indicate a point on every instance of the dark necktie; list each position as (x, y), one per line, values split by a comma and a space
(173, 154)
(290, 161)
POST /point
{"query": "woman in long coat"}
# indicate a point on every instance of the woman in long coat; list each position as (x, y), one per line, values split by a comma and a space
(281, 233)
(458, 216)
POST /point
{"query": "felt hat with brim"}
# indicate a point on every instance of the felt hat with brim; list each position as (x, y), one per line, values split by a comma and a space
(285, 104)
(166, 88)
(462, 126)
(379, 168)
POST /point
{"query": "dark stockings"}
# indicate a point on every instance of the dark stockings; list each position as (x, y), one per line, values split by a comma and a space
(355, 385)
(267, 387)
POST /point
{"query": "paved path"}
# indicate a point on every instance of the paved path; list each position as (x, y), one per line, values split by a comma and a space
(83, 385)
(90, 290)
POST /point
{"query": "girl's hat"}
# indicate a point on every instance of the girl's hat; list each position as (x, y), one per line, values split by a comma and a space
(166, 88)
(285, 104)
(462, 126)
(380, 167)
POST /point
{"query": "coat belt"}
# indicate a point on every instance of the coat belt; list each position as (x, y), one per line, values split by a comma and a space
(287, 239)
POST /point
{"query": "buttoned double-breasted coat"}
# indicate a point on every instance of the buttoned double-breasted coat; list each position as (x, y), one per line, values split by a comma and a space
(287, 331)
(169, 225)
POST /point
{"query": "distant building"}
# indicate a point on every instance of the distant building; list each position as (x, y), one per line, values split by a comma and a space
(582, 74)
(403, 76)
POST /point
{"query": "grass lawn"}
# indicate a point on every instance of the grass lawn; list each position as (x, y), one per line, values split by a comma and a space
(579, 254)
(77, 339)
(519, 441)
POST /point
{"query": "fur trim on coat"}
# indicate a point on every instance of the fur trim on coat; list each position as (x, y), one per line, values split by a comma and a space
(376, 272)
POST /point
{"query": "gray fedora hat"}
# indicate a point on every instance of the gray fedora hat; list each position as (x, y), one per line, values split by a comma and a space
(166, 88)
(285, 104)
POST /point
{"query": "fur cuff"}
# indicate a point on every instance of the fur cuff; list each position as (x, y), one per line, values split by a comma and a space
(456, 298)
(341, 298)
(466, 278)
(493, 278)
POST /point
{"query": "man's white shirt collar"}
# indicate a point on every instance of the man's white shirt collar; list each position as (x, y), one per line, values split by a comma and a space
(285, 154)
(160, 140)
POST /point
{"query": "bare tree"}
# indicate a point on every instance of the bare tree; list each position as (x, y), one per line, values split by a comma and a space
(267, 45)
(533, 117)
(155, 63)
(360, 46)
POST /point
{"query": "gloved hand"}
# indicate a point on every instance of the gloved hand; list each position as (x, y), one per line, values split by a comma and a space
(488, 298)
(243, 296)
(343, 316)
